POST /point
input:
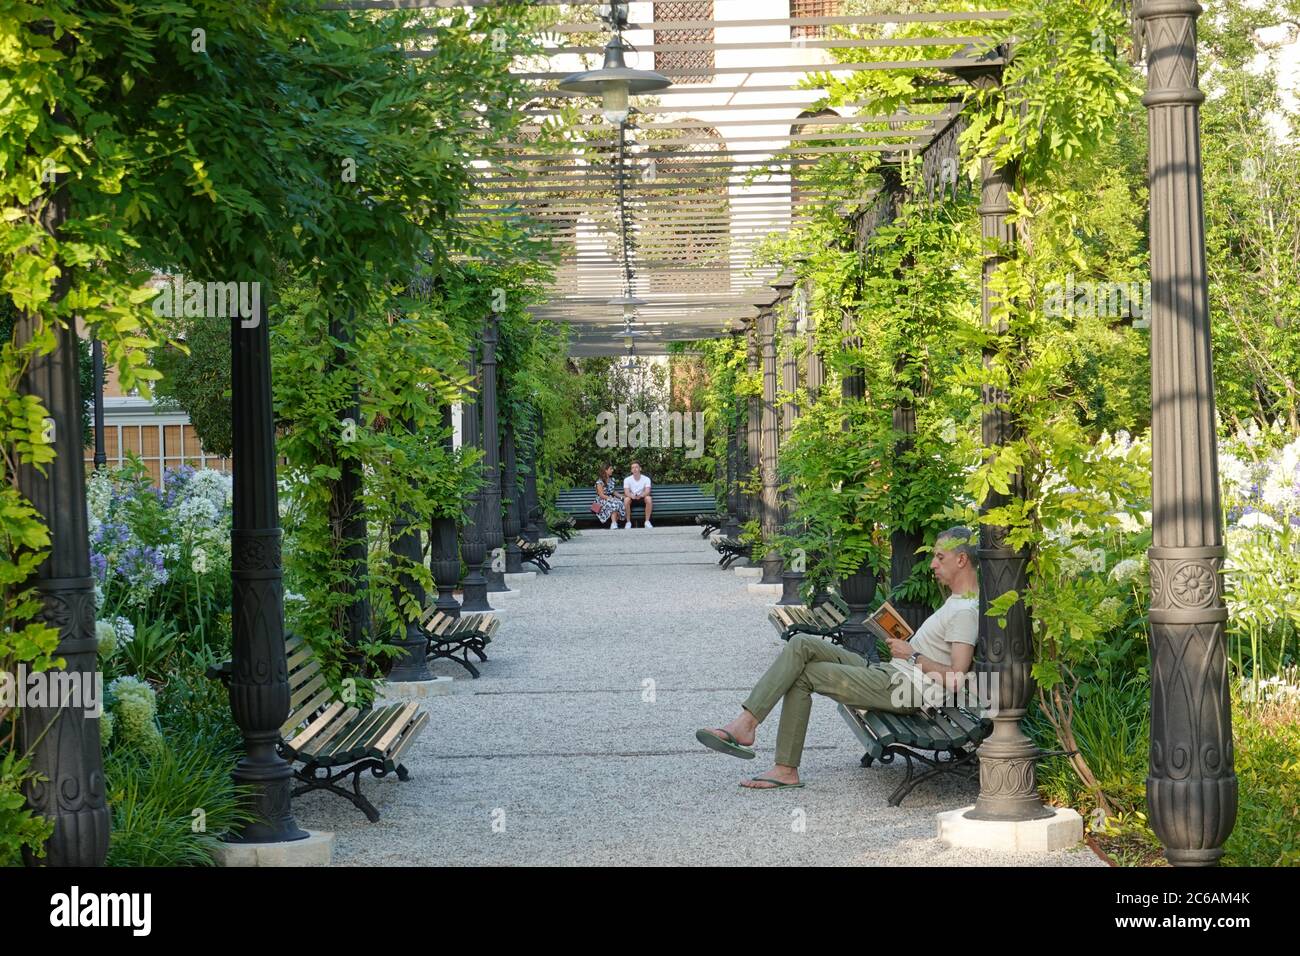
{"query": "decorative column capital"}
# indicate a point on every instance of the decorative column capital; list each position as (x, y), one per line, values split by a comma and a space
(1169, 32)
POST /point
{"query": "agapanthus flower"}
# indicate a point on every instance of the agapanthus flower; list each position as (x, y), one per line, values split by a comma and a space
(1259, 520)
(196, 514)
(1281, 489)
(212, 485)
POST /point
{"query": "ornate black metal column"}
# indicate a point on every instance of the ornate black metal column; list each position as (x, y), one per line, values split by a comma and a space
(259, 681)
(64, 741)
(816, 371)
(97, 367)
(1005, 655)
(347, 512)
(444, 559)
(532, 512)
(413, 664)
(493, 533)
(474, 593)
(751, 503)
(904, 542)
(770, 511)
(858, 588)
(791, 580)
(731, 527)
(511, 498)
(1192, 785)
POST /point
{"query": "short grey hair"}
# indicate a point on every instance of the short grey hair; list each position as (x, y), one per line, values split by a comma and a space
(961, 540)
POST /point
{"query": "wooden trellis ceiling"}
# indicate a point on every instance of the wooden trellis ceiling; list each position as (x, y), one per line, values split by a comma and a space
(745, 79)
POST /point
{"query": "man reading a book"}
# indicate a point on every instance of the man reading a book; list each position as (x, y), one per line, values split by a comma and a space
(941, 650)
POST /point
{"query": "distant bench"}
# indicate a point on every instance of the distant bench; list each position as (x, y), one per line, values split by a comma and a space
(670, 501)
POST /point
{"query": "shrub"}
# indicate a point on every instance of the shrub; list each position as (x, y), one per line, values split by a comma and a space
(155, 800)
(1267, 747)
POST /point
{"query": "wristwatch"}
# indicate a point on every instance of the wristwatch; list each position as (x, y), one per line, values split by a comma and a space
(914, 657)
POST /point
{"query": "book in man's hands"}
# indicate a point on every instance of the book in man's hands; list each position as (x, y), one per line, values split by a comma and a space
(886, 622)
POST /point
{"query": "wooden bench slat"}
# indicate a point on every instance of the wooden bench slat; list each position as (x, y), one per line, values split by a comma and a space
(398, 725)
(303, 692)
(408, 736)
(883, 733)
(300, 656)
(329, 734)
(952, 735)
(914, 733)
(311, 730)
(869, 741)
(358, 730)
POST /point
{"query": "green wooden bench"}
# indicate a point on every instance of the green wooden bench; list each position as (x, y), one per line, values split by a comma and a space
(823, 621)
(463, 635)
(709, 523)
(954, 731)
(535, 553)
(670, 501)
(731, 549)
(327, 739)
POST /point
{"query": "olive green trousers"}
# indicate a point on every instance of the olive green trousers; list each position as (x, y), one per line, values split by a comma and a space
(809, 665)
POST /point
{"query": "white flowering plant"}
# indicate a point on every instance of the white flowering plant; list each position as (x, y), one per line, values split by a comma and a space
(160, 552)
(1259, 473)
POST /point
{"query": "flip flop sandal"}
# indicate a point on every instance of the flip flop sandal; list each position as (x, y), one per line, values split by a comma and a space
(779, 784)
(724, 746)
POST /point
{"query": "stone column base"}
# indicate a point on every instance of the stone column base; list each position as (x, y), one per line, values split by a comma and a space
(1061, 831)
(744, 571)
(413, 689)
(758, 587)
(316, 850)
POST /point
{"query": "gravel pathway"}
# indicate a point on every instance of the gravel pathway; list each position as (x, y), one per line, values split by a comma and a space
(577, 745)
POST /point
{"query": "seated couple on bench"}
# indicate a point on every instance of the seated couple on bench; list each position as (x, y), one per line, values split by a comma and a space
(609, 507)
(942, 649)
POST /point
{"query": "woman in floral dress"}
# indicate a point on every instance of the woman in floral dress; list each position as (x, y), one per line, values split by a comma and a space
(611, 508)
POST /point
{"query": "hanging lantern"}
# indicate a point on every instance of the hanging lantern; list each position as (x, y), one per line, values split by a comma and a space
(614, 82)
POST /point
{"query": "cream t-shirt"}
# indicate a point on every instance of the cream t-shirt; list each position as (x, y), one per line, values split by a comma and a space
(636, 486)
(956, 622)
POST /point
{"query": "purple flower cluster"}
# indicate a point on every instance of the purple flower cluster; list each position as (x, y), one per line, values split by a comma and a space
(142, 566)
(109, 536)
(174, 483)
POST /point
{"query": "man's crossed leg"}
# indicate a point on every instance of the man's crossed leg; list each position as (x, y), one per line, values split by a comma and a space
(809, 665)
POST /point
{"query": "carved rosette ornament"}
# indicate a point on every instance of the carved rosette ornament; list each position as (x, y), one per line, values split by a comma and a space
(1191, 785)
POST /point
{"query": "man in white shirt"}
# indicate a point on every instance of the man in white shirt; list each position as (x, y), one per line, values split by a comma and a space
(941, 650)
(636, 487)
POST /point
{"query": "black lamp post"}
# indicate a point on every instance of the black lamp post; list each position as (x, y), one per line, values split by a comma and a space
(63, 740)
(444, 559)
(493, 534)
(97, 371)
(1192, 786)
(259, 680)
(474, 593)
(412, 665)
